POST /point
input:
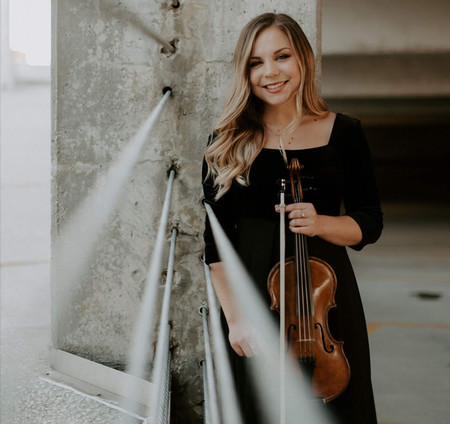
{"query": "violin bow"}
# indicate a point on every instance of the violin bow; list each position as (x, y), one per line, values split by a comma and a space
(282, 306)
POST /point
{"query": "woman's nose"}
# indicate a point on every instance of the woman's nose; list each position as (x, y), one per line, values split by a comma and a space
(270, 69)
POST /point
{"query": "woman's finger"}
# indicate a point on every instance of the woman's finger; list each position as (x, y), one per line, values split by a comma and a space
(296, 223)
(247, 350)
(298, 214)
(297, 206)
(298, 230)
(238, 350)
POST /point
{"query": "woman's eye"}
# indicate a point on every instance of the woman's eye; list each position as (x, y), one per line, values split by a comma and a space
(283, 56)
(256, 63)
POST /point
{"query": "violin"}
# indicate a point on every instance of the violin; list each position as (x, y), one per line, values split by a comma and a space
(310, 286)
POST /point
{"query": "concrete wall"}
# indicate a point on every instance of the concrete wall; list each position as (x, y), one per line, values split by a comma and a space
(107, 77)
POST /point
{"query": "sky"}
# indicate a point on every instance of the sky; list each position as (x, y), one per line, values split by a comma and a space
(30, 30)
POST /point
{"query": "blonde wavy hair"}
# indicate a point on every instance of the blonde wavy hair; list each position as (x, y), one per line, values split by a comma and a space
(240, 133)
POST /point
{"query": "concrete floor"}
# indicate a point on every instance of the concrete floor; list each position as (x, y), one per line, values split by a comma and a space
(404, 282)
(26, 397)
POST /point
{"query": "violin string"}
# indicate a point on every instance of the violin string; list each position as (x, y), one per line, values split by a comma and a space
(300, 289)
(305, 332)
(307, 286)
(304, 315)
(304, 298)
(300, 276)
(304, 292)
(298, 279)
(307, 294)
(297, 294)
(300, 299)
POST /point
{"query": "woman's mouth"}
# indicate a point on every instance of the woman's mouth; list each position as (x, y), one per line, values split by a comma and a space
(275, 85)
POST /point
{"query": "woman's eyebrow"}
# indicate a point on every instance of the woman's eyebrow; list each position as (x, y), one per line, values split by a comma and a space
(275, 52)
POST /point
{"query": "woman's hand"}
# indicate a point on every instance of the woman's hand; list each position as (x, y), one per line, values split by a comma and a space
(242, 339)
(303, 218)
(340, 230)
(242, 335)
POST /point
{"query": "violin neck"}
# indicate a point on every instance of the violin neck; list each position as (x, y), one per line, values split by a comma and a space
(301, 246)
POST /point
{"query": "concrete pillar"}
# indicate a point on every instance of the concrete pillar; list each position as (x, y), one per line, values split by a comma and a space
(6, 76)
(107, 76)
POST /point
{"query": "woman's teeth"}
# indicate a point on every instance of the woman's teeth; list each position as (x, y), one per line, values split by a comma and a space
(272, 86)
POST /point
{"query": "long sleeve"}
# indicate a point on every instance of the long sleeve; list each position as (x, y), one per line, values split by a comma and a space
(360, 194)
(224, 211)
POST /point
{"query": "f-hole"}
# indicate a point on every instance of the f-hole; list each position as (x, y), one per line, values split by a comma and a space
(292, 327)
(331, 348)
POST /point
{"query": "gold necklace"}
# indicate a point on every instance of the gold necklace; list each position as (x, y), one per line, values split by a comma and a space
(273, 132)
(280, 141)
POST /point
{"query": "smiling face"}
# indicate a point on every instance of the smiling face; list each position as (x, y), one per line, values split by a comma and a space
(274, 72)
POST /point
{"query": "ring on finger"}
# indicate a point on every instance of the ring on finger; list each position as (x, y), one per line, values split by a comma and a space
(302, 214)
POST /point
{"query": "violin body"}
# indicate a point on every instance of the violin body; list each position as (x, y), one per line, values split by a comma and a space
(308, 338)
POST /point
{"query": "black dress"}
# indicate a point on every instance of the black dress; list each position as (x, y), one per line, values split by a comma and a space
(338, 174)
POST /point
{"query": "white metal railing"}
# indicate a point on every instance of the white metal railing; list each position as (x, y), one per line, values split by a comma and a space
(160, 396)
(230, 414)
(143, 334)
(166, 400)
(206, 406)
(211, 404)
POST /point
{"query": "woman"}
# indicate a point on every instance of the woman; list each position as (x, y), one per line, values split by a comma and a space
(274, 114)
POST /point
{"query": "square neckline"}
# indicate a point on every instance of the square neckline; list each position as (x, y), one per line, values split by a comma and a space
(315, 147)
